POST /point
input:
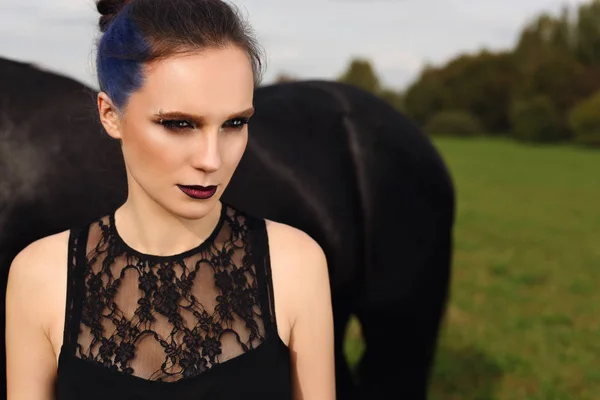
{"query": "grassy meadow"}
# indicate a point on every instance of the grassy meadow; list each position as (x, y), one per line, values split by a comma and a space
(524, 316)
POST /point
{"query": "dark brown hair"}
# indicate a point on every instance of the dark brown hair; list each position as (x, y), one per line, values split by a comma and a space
(136, 32)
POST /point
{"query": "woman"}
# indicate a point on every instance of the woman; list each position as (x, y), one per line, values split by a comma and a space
(174, 295)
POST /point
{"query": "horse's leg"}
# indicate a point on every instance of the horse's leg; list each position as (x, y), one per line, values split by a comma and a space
(408, 202)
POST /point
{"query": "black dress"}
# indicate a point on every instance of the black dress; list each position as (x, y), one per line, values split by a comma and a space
(197, 325)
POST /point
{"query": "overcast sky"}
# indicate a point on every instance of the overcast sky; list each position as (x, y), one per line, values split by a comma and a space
(308, 38)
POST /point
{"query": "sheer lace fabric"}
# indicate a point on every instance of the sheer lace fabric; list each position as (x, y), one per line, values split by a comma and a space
(174, 317)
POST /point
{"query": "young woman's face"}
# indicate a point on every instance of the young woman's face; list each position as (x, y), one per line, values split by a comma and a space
(185, 130)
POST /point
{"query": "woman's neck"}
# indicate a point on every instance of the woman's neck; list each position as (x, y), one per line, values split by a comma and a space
(151, 229)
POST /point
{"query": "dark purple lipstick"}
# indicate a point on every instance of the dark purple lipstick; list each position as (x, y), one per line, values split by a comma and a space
(199, 192)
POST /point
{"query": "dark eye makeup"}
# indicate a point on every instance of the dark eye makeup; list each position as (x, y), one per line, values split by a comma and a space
(182, 124)
(176, 125)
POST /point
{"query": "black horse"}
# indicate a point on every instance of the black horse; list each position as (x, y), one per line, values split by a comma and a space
(325, 157)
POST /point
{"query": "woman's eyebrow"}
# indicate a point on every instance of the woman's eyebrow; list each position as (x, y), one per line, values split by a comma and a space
(199, 119)
(245, 113)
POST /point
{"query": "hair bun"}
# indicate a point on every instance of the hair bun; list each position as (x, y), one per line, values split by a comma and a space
(108, 10)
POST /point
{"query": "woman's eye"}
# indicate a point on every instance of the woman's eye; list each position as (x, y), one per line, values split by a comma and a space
(236, 123)
(176, 125)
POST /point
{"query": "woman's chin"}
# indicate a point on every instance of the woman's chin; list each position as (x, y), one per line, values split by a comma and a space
(195, 209)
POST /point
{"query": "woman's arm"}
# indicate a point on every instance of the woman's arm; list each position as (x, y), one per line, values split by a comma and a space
(30, 358)
(305, 284)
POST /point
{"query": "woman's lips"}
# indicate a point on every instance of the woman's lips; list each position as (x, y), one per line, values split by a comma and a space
(199, 192)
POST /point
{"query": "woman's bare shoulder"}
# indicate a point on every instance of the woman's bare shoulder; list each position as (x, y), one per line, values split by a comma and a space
(295, 249)
(298, 262)
(39, 259)
(35, 298)
(301, 283)
(39, 268)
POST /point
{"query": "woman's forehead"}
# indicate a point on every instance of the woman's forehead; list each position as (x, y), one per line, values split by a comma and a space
(209, 67)
(218, 79)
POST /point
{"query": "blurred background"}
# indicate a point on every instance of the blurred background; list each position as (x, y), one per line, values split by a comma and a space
(509, 92)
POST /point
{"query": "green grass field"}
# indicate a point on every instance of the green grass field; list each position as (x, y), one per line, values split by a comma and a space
(524, 316)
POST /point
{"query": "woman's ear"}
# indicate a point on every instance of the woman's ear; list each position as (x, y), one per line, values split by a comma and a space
(109, 116)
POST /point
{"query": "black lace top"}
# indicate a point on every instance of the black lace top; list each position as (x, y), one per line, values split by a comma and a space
(198, 325)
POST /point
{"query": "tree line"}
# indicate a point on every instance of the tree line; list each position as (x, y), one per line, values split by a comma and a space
(545, 89)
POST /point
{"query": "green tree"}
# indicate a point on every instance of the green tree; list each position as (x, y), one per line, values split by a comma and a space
(588, 33)
(394, 98)
(554, 58)
(584, 120)
(360, 73)
(562, 37)
(563, 79)
(481, 85)
(423, 98)
(542, 37)
(478, 84)
(554, 65)
(537, 120)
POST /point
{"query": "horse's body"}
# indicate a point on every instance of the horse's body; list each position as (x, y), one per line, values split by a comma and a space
(324, 157)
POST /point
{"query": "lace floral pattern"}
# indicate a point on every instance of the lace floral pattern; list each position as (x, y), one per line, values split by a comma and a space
(174, 317)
